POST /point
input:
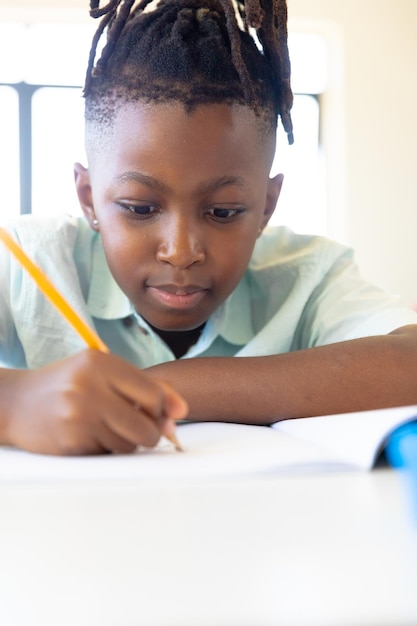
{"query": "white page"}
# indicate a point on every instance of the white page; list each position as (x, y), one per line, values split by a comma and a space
(337, 442)
(356, 438)
(211, 450)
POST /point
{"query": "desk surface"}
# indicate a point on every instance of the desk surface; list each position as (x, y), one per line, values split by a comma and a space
(331, 549)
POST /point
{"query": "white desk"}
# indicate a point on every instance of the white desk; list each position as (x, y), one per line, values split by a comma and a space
(335, 549)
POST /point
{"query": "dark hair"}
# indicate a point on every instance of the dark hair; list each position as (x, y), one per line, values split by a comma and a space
(193, 52)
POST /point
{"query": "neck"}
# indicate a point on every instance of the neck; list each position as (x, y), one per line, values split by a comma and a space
(179, 341)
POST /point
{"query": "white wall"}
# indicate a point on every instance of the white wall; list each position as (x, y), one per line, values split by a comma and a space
(374, 155)
(370, 129)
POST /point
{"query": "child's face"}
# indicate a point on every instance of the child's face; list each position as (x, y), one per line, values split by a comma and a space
(180, 200)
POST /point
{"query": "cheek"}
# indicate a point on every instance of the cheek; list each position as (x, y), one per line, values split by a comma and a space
(123, 253)
(235, 256)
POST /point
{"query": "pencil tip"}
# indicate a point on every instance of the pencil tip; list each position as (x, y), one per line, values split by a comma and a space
(173, 439)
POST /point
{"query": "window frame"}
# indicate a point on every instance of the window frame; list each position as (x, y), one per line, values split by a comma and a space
(25, 92)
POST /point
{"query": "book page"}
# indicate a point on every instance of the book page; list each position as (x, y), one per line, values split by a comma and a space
(211, 450)
(356, 438)
(218, 450)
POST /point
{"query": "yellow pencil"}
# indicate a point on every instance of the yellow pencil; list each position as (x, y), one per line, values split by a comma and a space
(90, 337)
(50, 291)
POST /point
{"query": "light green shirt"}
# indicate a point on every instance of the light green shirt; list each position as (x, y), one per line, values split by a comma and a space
(298, 292)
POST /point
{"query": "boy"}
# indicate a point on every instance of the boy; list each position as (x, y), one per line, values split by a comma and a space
(173, 263)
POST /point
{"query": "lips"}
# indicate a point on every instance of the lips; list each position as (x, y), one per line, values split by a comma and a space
(179, 290)
(178, 296)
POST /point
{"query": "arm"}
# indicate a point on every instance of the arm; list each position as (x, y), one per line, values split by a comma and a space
(85, 404)
(360, 374)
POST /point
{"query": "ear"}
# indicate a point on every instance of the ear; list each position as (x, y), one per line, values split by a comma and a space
(84, 193)
(272, 195)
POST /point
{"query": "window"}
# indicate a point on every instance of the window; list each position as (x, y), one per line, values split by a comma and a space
(41, 126)
(57, 142)
(9, 152)
(302, 204)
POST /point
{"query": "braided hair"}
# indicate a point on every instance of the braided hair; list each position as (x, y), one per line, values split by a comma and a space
(193, 52)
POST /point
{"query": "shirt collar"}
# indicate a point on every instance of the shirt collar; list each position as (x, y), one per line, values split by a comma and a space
(235, 315)
(106, 300)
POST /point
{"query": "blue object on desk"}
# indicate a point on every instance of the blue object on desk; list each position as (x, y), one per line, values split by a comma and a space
(401, 448)
(401, 453)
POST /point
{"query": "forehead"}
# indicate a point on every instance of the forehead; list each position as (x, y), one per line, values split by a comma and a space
(207, 132)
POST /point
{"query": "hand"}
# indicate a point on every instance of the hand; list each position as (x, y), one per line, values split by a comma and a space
(89, 403)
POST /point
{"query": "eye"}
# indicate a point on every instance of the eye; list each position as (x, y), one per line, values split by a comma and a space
(140, 210)
(223, 214)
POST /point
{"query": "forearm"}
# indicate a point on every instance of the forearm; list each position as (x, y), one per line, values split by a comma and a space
(355, 375)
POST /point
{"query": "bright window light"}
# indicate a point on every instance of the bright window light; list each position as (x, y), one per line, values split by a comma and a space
(54, 59)
(302, 204)
(9, 154)
(57, 136)
(12, 52)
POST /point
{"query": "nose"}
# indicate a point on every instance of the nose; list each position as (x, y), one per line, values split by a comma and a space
(181, 244)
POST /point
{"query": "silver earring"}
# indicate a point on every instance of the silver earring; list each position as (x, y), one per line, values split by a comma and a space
(95, 222)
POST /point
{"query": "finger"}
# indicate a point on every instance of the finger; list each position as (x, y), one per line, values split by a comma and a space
(132, 424)
(139, 389)
(112, 442)
(157, 399)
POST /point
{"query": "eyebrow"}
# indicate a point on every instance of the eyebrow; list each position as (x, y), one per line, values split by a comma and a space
(224, 181)
(203, 188)
(144, 179)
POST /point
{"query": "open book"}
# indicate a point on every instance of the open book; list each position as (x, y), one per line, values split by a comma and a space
(346, 442)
